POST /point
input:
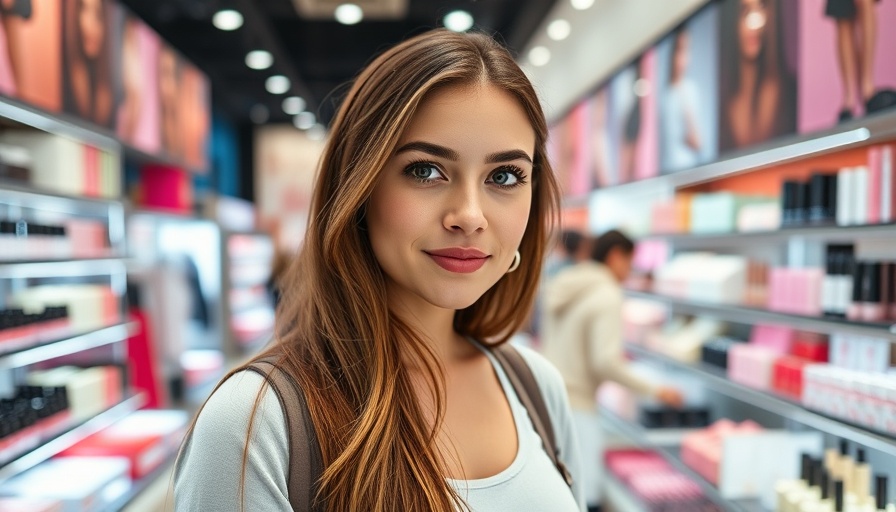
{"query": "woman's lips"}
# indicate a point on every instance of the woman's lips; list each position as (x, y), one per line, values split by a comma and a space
(459, 259)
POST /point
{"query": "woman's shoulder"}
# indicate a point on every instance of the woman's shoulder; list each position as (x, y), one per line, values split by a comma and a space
(548, 377)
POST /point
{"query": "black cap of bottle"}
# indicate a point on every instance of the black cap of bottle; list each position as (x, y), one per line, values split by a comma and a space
(880, 492)
(819, 197)
(838, 495)
(825, 485)
(857, 279)
(860, 455)
(806, 467)
(844, 447)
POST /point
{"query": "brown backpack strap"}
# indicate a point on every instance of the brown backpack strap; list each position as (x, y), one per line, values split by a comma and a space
(526, 387)
(305, 460)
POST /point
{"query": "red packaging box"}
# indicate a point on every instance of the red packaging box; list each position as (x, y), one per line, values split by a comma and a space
(788, 376)
(145, 453)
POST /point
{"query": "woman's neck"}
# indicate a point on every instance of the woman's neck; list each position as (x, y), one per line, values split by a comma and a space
(435, 325)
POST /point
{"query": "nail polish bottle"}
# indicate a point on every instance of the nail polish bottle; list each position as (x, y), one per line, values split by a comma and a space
(880, 493)
(854, 312)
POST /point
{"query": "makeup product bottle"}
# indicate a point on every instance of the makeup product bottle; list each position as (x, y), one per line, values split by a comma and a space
(872, 306)
(819, 501)
(880, 493)
(861, 193)
(822, 198)
(790, 500)
(854, 312)
(891, 293)
(847, 465)
(887, 184)
(790, 193)
(861, 479)
(845, 197)
(844, 281)
(838, 495)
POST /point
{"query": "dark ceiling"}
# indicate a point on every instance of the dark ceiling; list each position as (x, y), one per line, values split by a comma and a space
(320, 56)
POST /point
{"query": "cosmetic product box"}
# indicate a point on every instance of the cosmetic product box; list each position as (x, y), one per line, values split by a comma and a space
(759, 217)
(21, 329)
(881, 160)
(796, 290)
(810, 346)
(787, 375)
(659, 417)
(752, 365)
(778, 338)
(89, 390)
(80, 483)
(30, 505)
(166, 187)
(860, 353)
(718, 212)
(860, 397)
(89, 306)
(15, 164)
(715, 351)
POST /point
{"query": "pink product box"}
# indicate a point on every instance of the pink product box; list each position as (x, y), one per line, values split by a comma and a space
(795, 290)
(867, 399)
(702, 450)
(777, 338)
(752, 365)
(89, 238)
(627, 463)
(664, 487)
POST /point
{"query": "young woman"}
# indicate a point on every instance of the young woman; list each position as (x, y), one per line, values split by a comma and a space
(430, 215)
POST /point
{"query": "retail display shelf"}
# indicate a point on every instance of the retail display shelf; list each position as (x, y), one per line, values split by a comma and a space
(71, 435)
(59, 124)
(637, 435)
(138, 486)
(717, 380)
(66, 268)
(111, 255)
(870, 129)
(66, 346)
(619, 497)
(829, 233)
(29, 197)
(749, 315)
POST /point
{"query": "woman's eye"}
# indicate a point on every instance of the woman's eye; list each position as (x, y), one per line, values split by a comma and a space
(423, 172)
(507, 177)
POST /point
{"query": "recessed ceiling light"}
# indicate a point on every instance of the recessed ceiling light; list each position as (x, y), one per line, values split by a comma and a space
(349, 14)
(559, 30)
(539, 56)
(304, 120)
(316, 132)
(259, 59)
(228, 19)
(277, 84)
(582, 4)
(458, 21)
(259, 114)
(293, 105)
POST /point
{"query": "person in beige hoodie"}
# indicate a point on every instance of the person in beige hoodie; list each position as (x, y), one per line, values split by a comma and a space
(582, 336)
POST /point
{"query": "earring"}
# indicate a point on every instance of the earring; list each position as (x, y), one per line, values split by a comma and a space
(516, 262)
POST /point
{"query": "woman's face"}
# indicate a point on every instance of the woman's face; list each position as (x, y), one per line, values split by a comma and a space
(452, 203)
(90, 23)
(751, 27)
(682, 54)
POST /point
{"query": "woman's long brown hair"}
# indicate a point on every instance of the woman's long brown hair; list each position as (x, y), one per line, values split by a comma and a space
(335, 333)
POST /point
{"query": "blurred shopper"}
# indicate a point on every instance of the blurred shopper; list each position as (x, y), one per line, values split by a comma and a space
(582, 336)
(424, 251)
(570, 248)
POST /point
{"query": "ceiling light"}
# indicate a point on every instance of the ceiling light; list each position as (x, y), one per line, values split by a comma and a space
(259, 59)
(304, 120)
(316, 132)
(293, 105)
(559, 30)
(349, 14)
(277, 84)
(228, 19)
(259, 114)
(458, 21)
(581, 4)
(539, 56)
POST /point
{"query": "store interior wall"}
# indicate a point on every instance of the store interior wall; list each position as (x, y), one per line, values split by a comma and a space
(603, 36)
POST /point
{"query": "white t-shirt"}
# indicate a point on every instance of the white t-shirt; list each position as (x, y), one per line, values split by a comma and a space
(207, 473)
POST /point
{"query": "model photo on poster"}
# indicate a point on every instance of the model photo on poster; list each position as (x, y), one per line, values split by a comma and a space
(758, 85)
(87, 60)
(687, 84)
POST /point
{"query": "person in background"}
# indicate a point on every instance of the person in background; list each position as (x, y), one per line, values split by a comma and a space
(570, 248)
(582, 336)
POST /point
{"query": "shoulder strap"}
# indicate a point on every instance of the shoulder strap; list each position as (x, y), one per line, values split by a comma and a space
(304, 471)
(523, 381)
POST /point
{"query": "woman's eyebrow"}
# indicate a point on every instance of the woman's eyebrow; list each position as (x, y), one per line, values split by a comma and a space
(450, 154)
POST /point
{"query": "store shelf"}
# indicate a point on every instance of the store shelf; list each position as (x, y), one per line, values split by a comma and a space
(28, 197)
(68, 346)
(142, 484)
(66, 268)
(717, 380)
(70, 436)
(870, 129)
(749, 315)
(59, 124)
(619, 497)
(638, 436)
(822, 233)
